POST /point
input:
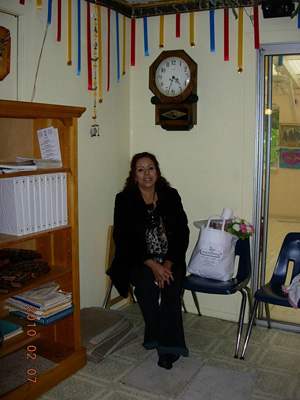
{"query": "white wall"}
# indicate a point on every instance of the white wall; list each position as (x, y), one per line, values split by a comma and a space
(211, 166)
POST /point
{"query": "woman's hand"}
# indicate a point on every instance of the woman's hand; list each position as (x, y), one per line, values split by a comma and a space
(161, 273)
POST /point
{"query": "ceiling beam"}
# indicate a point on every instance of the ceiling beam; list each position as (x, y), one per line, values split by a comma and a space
(150, 8)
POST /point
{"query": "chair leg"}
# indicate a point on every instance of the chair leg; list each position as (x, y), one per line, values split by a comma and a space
(107, 296)
(131, 294)
(196, 303)
(250, 300)
(249, 329)
(241, 322)
(182, 301)
(268, 315)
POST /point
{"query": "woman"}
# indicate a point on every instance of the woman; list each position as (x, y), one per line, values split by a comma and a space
(151, 236)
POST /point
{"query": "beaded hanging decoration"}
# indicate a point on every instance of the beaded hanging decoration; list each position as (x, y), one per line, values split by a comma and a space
(95, 128)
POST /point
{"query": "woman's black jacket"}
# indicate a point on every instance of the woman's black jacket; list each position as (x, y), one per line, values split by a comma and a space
(130, 216)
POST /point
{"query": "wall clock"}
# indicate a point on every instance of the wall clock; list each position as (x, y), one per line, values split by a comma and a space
(173, 80)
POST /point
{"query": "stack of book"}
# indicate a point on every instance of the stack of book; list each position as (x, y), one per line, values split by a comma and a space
(46, 302)
(33, 203)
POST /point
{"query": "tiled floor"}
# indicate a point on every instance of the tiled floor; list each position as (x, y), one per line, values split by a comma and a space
(272, 354)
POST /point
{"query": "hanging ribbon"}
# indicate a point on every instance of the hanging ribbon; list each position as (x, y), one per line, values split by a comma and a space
(256, 27)
(192, 35)
(78, 37)
(299, 21)
(146, 37)
(133, 42)
(49, 18)
(22, 2)
(240, 39)
(124, 44)
(161, 31)
(59, 20)
(100, 92)
(212, 30)
(226, 35)
(118, 47)
(39, 4)
(89, 50)
(280, 61)
(108, 49)
(69, 58)
(177, 25)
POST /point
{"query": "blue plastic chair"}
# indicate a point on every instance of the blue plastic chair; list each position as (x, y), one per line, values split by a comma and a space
(196, 283)
(272, 293)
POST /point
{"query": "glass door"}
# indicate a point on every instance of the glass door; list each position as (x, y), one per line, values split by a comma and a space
(277, 184)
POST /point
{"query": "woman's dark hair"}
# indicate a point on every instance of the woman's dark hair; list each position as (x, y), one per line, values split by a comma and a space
(130, 181)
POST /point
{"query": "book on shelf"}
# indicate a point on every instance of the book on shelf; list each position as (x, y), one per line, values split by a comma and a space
(9, 330)
(41, 163)
(46, 320)
(7, 167)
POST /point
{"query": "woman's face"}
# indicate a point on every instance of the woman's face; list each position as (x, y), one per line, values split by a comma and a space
(145, 173)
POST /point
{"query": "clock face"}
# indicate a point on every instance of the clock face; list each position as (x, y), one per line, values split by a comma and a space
(172, 76)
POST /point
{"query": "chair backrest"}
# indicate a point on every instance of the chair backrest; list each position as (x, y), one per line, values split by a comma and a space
(242, 249)
(289, 252)
(110, 248)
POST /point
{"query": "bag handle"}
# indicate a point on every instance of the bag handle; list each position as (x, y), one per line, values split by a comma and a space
(220, 217)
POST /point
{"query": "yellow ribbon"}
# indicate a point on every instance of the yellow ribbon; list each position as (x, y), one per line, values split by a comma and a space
(124, 44)
(161, 31)
(240, 39)
(69, 60)
(192, 30)
(39, 4)
(100, 98)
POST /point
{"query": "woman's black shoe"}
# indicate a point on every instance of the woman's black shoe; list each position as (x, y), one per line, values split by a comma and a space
(166, 360)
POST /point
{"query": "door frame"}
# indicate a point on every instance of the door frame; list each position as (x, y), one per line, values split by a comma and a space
(265, 50)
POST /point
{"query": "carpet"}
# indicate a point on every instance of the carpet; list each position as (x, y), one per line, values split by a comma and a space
(191, 379)
(170, 383)
(212, 383)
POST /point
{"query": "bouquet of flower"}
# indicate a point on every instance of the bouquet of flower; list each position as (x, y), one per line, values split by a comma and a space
(239, 227)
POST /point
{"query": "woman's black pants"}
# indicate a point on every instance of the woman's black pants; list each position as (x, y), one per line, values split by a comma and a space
(161, 310)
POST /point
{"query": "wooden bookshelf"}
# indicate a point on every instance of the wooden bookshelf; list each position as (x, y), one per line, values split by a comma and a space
(60, 341)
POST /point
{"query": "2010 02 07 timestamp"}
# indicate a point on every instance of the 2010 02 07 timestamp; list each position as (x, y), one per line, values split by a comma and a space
(31, 349)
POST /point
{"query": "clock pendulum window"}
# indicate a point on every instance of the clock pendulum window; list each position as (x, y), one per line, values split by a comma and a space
(173, 80)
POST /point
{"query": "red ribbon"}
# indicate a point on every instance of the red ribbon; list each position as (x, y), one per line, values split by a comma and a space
(133, 42)
(177, 25)
(226, 35)
(22, 2)
(89, 50)
(108, 48)
(256, 27)
(59, 20)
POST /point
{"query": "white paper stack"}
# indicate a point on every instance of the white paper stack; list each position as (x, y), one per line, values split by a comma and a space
(33, 203)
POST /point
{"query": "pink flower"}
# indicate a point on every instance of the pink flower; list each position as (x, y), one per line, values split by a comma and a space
(243, 228)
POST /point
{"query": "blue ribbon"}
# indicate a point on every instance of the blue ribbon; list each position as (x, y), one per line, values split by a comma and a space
(280, 61)
(212, 30)
(299, 20)
(118, 48)
(146, 37)
(79, 37)
(49, 12)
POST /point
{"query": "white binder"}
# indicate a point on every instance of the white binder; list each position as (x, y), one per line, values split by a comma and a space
(32, 205)
(49, 218)
(54, 204)
(43, 202)
(25, 204)
(59, 198)
(64, 199)
(38, 206)
(11, 218)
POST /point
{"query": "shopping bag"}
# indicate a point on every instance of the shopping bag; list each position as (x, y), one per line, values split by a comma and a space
(214, 253)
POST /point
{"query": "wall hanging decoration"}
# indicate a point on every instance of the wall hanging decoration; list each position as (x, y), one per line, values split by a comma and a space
(289, 158)
(5, 42)
(69, 56)
(289, 135)
(95, 128)
(173, 80)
